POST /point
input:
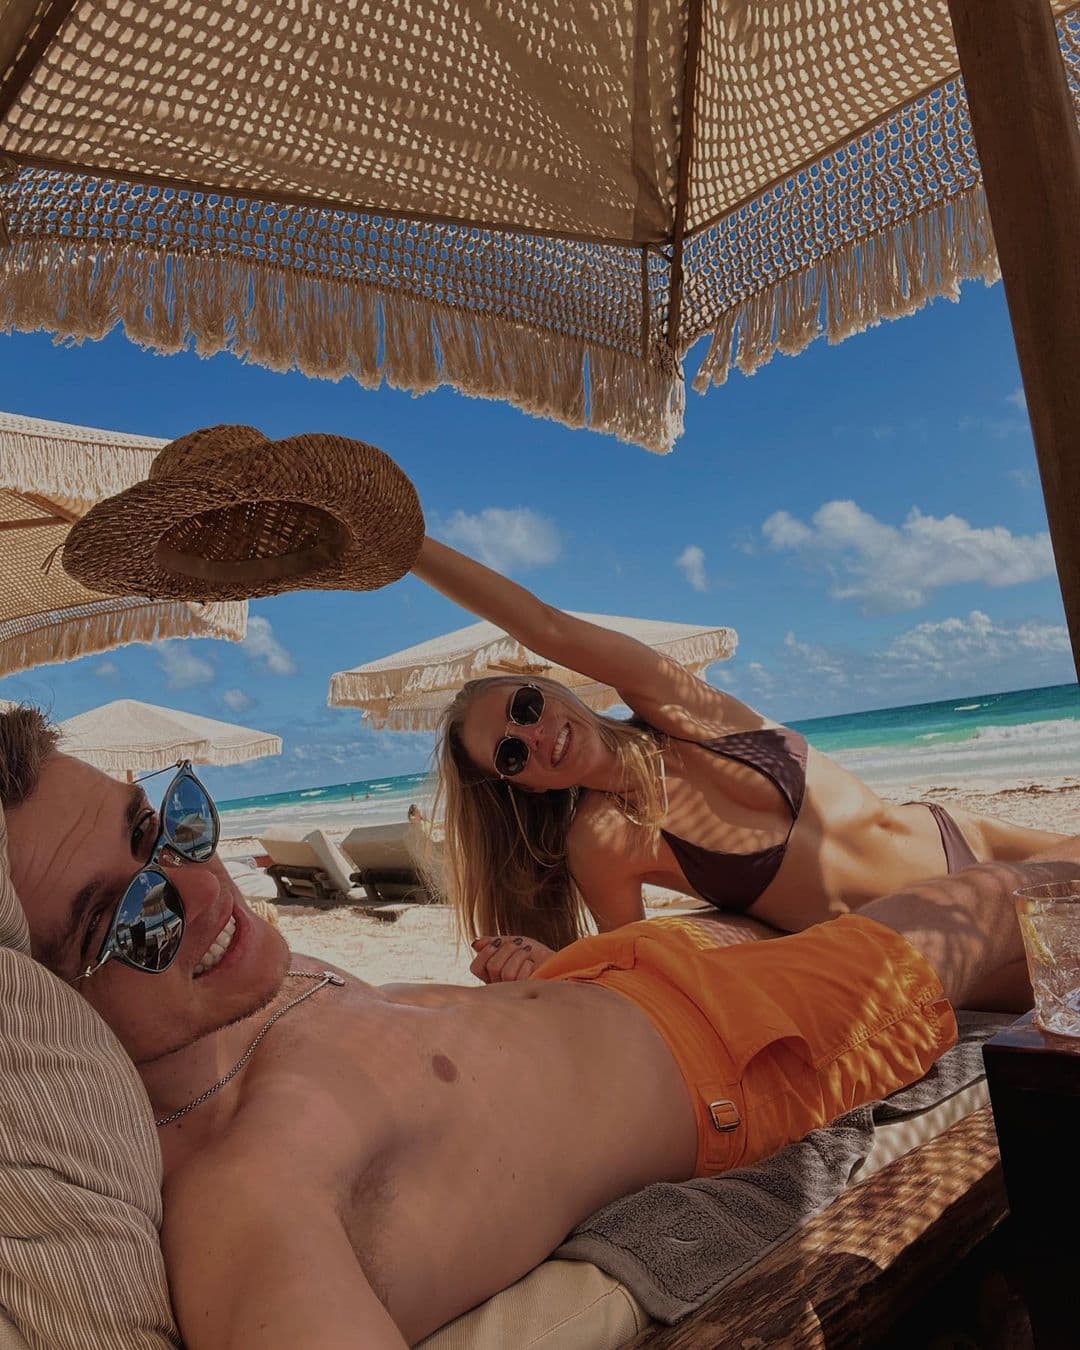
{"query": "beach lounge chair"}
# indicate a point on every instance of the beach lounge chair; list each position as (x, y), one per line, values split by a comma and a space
(386, 861)
(300, 874)
(927, 1194)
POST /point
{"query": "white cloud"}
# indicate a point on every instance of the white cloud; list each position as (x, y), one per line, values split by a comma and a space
(182, 666)
(763, 680)
(975, 643)
(691, 562)
(889, 568)
(106, 670)
(963, 654)
(504, 538)
(1017, 399)
(262, 647)
(817, 661)
(237, 700)
(999, 427)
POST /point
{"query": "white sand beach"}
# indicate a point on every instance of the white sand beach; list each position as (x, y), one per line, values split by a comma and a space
(421, 945)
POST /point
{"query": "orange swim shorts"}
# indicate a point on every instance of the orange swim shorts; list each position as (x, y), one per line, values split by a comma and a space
(774, 1038)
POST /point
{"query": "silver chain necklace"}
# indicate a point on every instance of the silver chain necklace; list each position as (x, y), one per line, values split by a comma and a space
(325, 978)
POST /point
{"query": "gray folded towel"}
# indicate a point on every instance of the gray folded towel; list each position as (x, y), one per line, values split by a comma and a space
(675, 1246)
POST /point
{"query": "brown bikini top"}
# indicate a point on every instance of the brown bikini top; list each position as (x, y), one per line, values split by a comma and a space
(736, 880)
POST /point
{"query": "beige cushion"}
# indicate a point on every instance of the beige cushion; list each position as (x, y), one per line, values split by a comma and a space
(80, 1168)
(561, 1305)
(380, 845)
(897, 1137)
(286, 848)
(331, 859)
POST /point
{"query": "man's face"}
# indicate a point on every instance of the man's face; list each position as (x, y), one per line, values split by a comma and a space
(74, 846)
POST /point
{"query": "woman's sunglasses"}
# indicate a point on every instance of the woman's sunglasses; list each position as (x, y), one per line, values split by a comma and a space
(148, 924)
(525, 710)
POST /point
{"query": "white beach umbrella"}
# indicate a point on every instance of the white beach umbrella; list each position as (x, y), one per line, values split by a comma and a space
(409, 690)
(51, 473)
(127, 737)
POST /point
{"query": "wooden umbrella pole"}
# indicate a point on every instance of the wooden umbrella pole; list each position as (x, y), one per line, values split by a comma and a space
(1029, 147)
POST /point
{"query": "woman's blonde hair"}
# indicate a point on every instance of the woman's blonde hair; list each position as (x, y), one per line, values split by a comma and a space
(504, 866)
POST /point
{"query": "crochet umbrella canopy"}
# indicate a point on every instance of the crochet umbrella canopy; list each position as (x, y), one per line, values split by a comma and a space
(51, 473)
(409, 690)
(546, 201)
(127, 737)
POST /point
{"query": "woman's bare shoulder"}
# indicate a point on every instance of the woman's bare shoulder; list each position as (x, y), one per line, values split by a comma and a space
(600, 828)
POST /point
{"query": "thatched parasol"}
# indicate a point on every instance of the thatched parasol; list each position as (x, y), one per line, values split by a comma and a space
(409, 690)
(50, 474)
(546, 202)
(127, 737)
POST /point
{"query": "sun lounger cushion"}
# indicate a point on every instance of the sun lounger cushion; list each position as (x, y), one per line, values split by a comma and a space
(380, 845)
(331, 859)
(289, 848)
(561, 1305)
(80, 1168)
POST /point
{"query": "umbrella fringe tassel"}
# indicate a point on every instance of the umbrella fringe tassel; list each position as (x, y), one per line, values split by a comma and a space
(68, 463)
(98, 627)
(332, 327)
(887, 276)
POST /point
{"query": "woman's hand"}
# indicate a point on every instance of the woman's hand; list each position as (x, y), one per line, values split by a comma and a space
(502, 959)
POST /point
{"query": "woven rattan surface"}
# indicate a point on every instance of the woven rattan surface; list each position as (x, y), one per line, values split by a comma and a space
(226, 513)
(487, 194)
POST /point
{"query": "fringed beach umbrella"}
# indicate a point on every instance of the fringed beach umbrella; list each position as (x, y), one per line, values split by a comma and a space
(409, 690)
(547, 202)
(127, 737)
(51, 474)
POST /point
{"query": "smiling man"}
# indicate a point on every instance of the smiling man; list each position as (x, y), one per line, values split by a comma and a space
(348, 1165)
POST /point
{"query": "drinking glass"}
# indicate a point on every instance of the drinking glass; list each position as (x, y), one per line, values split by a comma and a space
(1050, 923)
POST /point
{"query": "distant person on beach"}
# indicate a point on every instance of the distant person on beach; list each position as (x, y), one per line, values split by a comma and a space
(415, 814)
(353, 1166)
(554, 812)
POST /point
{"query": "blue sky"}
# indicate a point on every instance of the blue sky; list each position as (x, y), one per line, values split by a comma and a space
(867, 517)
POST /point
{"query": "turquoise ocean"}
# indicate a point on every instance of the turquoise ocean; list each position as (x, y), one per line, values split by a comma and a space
(1028, 735)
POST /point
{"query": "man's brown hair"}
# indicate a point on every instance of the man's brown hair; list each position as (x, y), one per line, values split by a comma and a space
(27, 739)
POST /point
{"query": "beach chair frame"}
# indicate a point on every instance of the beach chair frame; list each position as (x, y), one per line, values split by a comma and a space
(392, 885)
(300, 885)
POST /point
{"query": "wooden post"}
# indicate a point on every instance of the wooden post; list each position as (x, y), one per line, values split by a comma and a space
(1029, 146)
(1034, 1082)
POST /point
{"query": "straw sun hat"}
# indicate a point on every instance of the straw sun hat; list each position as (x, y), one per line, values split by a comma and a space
(227, 513)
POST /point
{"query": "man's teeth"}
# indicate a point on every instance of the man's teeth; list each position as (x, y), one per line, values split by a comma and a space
(218, 948)
(561, 742)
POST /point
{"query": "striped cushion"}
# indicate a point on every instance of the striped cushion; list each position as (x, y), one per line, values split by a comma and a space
(80, 1168)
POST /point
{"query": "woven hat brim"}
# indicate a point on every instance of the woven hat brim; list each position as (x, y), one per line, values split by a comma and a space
(378, 525)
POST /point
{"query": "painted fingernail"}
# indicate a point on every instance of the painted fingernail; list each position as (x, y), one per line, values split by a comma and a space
(517, 942)
(497, 942)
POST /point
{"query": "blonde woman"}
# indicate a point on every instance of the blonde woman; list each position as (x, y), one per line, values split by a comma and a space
(553, 812)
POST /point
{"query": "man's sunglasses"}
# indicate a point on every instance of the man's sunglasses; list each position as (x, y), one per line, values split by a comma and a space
(148, 924)
(525, 710)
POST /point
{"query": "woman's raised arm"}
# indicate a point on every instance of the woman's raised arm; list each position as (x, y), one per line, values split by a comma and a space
(647, 681)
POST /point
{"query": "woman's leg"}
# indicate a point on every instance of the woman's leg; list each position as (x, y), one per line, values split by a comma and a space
(966, 925)
(995, 840)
